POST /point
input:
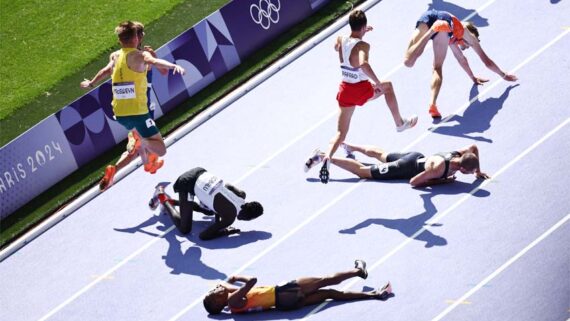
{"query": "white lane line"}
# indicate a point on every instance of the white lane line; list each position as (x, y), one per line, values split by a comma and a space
(104, 275)
(437, 218)
(494, 84)
(503, 267)
(394, 70)
(144, 247)
(109, 272)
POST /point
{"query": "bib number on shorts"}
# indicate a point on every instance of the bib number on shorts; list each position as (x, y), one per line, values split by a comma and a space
(124, 90)
(150, 123)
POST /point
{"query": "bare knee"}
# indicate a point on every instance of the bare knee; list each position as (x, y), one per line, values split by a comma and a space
(387, 87)
(409, 62)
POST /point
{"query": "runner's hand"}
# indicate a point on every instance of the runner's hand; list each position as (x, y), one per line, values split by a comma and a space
(482, 175)
(479, 81)
(179, 70)
(86, 83)
(509, 77)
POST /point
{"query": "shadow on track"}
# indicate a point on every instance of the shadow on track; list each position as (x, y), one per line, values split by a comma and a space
(477, 117)
(460, 12)
(410, 226)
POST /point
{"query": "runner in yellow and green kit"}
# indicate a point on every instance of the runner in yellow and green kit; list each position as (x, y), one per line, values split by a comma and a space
(128, 68)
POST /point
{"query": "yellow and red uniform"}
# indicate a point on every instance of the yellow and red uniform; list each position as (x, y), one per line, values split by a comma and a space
(258, 298)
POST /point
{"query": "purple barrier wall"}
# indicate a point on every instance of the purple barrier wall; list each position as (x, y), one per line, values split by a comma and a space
(83, 130)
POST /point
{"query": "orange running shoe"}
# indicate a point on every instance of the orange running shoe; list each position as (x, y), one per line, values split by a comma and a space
(107, 179)
(434, 112)
(154, 163)
(134, 143)
(441, 26)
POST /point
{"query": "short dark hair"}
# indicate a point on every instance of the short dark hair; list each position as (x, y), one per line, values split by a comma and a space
(211, 306)
(472, 28)
(357, 20)
(469, 161)
(250, 211)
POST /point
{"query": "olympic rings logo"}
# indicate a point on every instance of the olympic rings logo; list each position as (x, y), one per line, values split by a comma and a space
(265, 13)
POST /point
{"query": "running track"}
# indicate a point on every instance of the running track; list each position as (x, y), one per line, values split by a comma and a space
(472, 250)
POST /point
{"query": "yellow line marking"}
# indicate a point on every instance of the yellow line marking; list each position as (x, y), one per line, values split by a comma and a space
(108, 277)
(453, 301)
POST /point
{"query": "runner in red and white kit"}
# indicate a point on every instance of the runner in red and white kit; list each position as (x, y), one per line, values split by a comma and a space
(356, 89)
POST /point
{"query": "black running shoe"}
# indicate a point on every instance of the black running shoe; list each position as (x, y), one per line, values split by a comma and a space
(324, 173)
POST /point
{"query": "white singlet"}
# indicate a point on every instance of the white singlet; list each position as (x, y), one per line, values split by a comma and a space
(350, 74)
(208, 186)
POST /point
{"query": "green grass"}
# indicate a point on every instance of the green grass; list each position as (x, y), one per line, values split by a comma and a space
(43, 62)
(44, 41)
(45, 204)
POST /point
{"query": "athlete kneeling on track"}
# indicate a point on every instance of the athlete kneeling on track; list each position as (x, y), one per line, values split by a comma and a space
(223, 200)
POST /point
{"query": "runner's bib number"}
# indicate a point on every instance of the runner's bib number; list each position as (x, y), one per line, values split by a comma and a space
(124, 90)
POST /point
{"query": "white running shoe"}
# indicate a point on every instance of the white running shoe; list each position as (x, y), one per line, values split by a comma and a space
(315, 158)
(408, 123)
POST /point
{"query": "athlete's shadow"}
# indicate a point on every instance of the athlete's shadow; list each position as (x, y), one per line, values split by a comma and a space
(477, 117)
(226, 242)
(555, 1)
(188, 262)
(412, 225)
(270, 315)
(460, 12)
(151, 221)
(338, 180)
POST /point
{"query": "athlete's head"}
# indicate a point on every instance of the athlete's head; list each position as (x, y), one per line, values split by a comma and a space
(216, 299)
(140, 33)
(250, 211)
(473, 30)
(469, 163)
(127, 32)
(357, 20)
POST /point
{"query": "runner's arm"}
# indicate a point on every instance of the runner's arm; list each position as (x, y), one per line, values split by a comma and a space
(161, 63)
(238, 299)
(102, 74)
(489, 63)
(363, 49)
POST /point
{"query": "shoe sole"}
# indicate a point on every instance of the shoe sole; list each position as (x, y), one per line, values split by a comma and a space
(324, 173)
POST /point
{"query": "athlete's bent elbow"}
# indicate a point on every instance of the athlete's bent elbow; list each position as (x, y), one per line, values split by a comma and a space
(408, 62)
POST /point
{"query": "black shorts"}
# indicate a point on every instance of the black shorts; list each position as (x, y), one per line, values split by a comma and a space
(288, 296)
(185, 182)
(398, 166)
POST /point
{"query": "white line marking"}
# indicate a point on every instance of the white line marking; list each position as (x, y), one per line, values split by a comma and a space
(140, 250)
(488, 88)
(437, 218)
(104, 275)
(503, 267)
